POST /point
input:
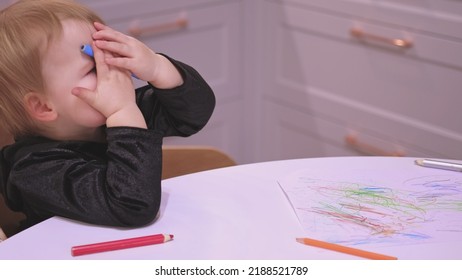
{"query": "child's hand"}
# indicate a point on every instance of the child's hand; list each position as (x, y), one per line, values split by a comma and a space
(114, 96)
(136, 57)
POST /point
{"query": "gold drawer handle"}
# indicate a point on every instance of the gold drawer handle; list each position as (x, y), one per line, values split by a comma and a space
(361, 35)
(352, 141)
(176, 25)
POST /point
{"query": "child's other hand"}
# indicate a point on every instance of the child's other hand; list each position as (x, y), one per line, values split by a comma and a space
(136, 57)
(114, 96)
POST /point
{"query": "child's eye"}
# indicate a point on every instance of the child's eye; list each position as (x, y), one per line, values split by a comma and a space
(93, 70)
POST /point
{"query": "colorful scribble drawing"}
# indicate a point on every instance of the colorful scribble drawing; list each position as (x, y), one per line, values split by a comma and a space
(422, 209)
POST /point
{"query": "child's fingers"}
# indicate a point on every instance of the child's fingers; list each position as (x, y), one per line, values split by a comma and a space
(109, 34)
(85, 94)
(101, 67)
(121, 62)
(114, 47)
(100, 26)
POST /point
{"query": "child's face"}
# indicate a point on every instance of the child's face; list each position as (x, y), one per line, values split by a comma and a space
(66, 67)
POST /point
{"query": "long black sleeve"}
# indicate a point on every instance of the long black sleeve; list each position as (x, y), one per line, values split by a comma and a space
(115, 184)
(165, 109)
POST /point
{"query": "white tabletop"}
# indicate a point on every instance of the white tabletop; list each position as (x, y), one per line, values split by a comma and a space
(232, 213)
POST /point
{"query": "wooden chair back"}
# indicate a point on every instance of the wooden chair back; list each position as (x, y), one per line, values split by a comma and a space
(182, 160)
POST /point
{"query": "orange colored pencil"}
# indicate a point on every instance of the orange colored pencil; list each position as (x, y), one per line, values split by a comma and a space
(344, 249)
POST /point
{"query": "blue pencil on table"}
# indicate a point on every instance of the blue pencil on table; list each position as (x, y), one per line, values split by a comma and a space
(86, 49)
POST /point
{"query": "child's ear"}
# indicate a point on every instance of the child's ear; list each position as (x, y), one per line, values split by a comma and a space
(39, 108)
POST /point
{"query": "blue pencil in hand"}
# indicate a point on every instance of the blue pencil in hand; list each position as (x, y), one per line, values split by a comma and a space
(86, 49)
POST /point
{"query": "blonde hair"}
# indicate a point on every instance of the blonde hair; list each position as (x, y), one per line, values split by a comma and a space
(26, 28)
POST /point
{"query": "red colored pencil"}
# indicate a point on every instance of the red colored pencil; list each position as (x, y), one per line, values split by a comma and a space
(120, 244)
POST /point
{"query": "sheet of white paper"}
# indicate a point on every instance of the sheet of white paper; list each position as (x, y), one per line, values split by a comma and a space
(370, 206)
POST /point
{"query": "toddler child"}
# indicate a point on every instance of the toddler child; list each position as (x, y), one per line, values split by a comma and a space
(87, 145)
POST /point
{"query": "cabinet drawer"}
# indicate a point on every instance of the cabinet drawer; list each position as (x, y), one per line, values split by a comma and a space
(442, 17)
(383, 37)
(297, 133)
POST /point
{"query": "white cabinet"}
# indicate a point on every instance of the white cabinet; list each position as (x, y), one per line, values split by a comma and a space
(314, 78)
(329, 92)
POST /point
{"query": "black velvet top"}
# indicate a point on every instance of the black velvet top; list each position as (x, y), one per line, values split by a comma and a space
(117, 183)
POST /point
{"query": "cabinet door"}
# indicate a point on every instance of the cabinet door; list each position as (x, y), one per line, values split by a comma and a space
(407, 97)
